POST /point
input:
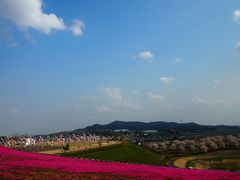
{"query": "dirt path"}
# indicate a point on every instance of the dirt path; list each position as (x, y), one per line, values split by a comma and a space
(182, 161)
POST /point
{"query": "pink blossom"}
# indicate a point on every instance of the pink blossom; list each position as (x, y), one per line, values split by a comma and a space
(12, 159)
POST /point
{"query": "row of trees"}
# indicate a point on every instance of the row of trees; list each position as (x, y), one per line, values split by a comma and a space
(197, 145)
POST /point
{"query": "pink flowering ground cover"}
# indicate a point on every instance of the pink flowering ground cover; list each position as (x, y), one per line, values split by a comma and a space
(24, 165)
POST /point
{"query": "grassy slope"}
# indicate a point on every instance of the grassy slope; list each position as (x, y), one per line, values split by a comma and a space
(124, 152)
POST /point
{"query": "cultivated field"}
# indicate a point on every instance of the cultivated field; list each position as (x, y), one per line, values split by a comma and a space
(125, 152)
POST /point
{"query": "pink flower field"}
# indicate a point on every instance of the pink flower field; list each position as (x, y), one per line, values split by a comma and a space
(24, 165)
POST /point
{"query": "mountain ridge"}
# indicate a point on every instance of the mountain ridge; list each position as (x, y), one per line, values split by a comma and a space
(160, 126)
(155, 125)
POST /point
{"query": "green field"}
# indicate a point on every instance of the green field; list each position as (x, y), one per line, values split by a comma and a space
(125, 152)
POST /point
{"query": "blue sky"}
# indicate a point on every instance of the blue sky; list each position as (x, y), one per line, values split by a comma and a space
(66, 65)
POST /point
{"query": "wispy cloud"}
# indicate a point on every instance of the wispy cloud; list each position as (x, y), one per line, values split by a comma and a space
(112, 92)
(167, 80)
(104, 108)
(88, 98)
(217, 82)
(236, 49)
(9, 111)
(14, 110)
(155, 97)
(115, 94)
(6, 36)
(200, 101)
(128, 104)
(236, 15)
(77, 27)
(134, 91)
(146, 55)
(179, 60)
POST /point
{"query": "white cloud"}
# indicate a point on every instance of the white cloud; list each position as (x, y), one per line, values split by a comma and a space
(236, 15)
(155, 97)
(179, 60)
(29, 38)
(128, 104)
(6, 35)
(237, 49)
(217, 82)
(200, 101)
(12, 44)
(146, 55)
(77, 27)
(29, 14)
(167, 80)
(88, 98)
(8, 111)
(134, 91)
(14, 110)
(115, 94)
(104, 109)
(112, 92)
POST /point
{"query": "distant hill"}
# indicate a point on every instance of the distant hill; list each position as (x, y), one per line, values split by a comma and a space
(165, 128)
(158, 125)
(135, 125)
